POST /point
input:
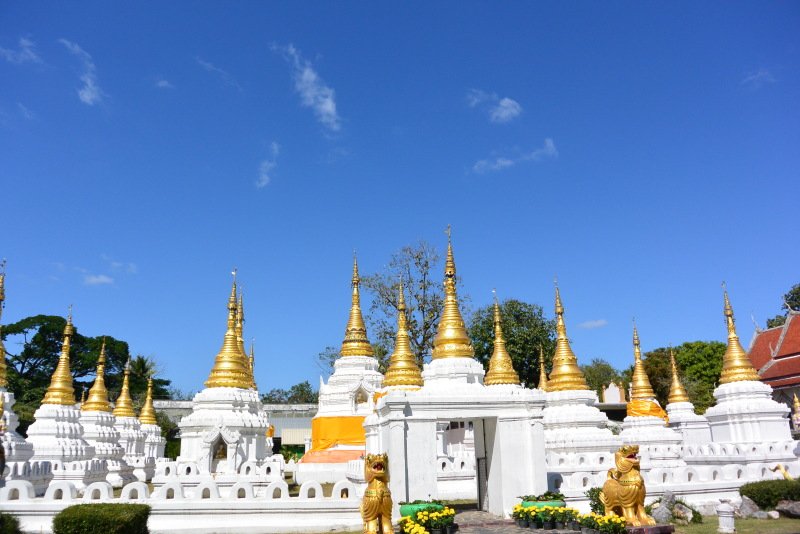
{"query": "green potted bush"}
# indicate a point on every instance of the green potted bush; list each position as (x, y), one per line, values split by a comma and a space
(548, 498)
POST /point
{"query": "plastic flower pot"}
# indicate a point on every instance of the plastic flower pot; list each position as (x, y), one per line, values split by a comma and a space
(547, 525)
(411, 509)
(542, 504)
(559, 525)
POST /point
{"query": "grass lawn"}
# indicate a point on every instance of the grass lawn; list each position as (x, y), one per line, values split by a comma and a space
(709, 525)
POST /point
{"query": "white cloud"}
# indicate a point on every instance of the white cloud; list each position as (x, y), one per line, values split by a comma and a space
(313, 91)
(757, 79)
(594, 323)
(224, 75)
(505, 110)
(547, 150)
(97, 280)
(268, 165)
(25, 112)
(500, 110)
(164, 84)
(90, 94)
(120, 266)
(26, 52)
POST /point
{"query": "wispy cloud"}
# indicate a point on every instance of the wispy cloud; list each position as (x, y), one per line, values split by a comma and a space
(547, 150)
(594, 323)
(25, 52)
(97, 280)
(224, 75)
(500, 110)
(90, 94)
(313, 91)
(126, 267)
(268, 165)
(25, 112)
(757, 79)
(164, 84)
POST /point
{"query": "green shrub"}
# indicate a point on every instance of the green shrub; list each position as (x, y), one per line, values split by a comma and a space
(102, 519)
(9, 524)
(594, 500)
(767, 493)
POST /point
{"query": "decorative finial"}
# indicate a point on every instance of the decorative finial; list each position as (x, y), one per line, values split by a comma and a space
(230, 366)
(565, 374)
(501, 367)
(403, 371)
(98, 394)
(736, 365)
(124, 405)
(542, 373)
(148, 414)
(61, 390)
(641, 389)
(355, 341)
(448, 231)
(451, 339)
(677, 393)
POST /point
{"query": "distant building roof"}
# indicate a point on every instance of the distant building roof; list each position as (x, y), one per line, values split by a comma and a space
(776, 353)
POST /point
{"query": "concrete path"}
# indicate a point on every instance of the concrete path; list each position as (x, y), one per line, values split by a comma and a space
(475, 522)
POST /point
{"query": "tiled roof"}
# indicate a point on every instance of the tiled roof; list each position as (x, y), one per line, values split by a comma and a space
(790, 344)
(783, 372)
(763, 345)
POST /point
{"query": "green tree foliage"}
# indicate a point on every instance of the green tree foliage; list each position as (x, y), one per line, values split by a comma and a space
(599, 374)
(790, 299)
(301, 393)
(525, 329)
(699, 366)
(39, 339)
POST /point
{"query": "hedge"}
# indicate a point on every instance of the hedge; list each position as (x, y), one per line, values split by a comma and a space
(102, 519)
(9, 524)
(767, 493)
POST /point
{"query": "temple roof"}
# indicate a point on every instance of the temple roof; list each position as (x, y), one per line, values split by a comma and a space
(776, 353)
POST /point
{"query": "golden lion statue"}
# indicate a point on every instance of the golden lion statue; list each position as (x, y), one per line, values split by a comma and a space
(623, 491)
(376, 506)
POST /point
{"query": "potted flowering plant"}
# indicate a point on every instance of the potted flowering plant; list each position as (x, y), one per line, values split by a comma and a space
(534, 521)
(520, 515)
(571, 519)
(611, 524)
(448, 519)
(546, 513)
(409, 526)
(411, 508)
(588, 523)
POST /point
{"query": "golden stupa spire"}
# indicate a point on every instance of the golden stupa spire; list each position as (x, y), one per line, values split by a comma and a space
(240, 335)
(501, 368)
(451, 339)
(676, 391)
(98, 394)
(641, 389)
(542, 373)
(124, 405)
(3, 366)
(795, 406)
(230, 366)
(565, 375)
(60, 390)
(355, 341)
(252, 362)
(736, 365)
(83, 396)
(148, 414)
(403, 370)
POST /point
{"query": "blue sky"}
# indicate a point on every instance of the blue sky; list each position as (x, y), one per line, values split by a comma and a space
(641, 151)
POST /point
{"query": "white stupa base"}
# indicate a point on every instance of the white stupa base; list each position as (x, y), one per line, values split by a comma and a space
(226, 422)
(579, 445)
(659, 445)
(351, 387)
(746, 413)
(154, 444)
(450, 371)
(18, 452)
(694, 428)
(99, 432)
(56, 436)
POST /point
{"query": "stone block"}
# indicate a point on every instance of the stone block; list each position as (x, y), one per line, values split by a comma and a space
(668, 499)
(760, 515)
(747, 508)
(773, 514)
(662, 514)
(789, 508)
(682, 512)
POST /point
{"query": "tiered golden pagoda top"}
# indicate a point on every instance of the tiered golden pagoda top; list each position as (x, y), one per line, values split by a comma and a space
(3, 367)
(451, 339)
(736, 365)
(501, 368)
(641, 389)
(98, 395)
(60, 390)
(231, 369)
(148, 414)
(676, 391)
(565, 375)
(542, 374)
(240, 325)
(355, 341)
(124, 405)
(403, 370)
